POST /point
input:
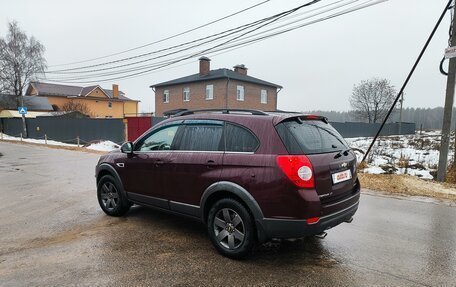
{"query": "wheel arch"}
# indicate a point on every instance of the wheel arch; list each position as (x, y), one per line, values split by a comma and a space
(106, 169)
(224, 189)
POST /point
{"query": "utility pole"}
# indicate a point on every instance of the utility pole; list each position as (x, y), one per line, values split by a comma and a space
(24, 126)
(400, 113)
(448, 109)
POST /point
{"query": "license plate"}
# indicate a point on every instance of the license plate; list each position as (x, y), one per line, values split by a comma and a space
(341, 176)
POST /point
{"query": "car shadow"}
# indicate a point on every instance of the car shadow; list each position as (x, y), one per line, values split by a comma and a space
(305, 250)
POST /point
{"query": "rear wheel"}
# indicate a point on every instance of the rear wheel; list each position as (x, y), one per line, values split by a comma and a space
(230, 227)
(110, 198)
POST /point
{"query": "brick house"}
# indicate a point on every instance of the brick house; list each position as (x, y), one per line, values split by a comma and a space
(102, 103)
(221, 88)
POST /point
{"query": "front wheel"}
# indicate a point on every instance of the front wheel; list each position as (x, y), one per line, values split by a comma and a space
(110, 198)
(231, 229)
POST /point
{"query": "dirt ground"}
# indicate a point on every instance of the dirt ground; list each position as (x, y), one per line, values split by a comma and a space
(407, 185)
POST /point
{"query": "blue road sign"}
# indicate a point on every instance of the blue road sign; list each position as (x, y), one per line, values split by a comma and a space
(22, 110)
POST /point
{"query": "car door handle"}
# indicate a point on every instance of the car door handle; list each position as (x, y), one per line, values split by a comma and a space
(159, 162)
(211, 163)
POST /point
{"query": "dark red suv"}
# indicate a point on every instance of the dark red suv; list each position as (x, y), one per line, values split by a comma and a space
(250, 176)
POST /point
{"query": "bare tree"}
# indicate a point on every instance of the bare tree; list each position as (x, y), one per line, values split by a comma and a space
(371, 99)
(21, 60)
(76, 106)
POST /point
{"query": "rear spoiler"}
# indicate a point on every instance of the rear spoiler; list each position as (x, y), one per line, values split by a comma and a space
(303, 117)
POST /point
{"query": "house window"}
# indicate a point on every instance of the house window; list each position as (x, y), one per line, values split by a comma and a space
(186, 94)
(240, 93)
(209, 92)
(110, 105)
(166, 96)
(264, 97)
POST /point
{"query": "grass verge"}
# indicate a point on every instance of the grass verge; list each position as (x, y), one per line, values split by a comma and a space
(407, 185)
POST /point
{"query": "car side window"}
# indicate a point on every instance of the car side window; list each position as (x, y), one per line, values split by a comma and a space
(160, 140)
(239, 139)
(201, 137)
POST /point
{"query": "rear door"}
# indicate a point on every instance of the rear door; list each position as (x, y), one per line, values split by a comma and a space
(334, 164)
(195, 164)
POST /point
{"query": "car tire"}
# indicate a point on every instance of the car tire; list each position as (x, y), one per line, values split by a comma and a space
(231, 228)
(110, 197)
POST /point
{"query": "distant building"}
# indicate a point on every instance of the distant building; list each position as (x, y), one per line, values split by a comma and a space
(221, 88)
(35, 105)
(102, 103)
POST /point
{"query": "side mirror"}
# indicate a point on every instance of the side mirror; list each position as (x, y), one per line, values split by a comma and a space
(127, 148)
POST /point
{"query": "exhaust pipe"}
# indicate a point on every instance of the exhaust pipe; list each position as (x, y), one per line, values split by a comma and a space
(349, 220)
(321, 235)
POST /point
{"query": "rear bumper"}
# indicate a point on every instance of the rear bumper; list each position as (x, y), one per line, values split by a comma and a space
(285, 228)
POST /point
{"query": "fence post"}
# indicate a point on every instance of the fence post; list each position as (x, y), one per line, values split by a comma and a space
(45, 139)
(77, 138)
(21, 136)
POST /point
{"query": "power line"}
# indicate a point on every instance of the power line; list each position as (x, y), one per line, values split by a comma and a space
(238, 38)
(246, 26)
(233, 41)
(220, 35)
(233, 47)
(167, 38)
(212, 49)
(408, 77)
(230, 32)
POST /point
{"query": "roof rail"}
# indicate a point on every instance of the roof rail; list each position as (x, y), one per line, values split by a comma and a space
(224, 111)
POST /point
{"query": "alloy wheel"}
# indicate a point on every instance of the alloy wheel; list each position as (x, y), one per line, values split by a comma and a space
(229, 228)
(110, 196)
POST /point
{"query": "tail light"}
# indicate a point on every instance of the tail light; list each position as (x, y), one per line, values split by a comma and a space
(298, 169)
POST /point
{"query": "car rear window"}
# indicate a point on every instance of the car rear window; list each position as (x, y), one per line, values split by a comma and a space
(310, 137)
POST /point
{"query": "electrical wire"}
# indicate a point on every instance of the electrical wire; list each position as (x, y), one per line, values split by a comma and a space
(188, 48)
(450, 40)
(233, 47)
(229, 47)
(165, 39)
(408, 77)
(227, 32)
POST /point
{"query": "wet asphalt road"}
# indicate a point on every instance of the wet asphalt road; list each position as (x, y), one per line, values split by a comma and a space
(53, 233)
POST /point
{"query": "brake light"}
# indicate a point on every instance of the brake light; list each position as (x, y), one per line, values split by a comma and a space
(298, 169)
(312, 117)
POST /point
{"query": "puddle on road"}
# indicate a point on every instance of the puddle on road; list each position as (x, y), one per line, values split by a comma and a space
(67, 236)
(306, 251)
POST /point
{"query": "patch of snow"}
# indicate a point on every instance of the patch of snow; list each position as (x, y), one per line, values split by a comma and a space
(424, 174)
(419, 153)
(99, 146)
(373, 170)
(103, 146)
(379, 161)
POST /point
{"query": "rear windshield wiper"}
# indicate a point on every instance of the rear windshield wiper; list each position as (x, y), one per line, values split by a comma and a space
(342, 152)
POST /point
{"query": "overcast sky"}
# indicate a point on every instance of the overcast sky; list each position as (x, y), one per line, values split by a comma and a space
(317, 65)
